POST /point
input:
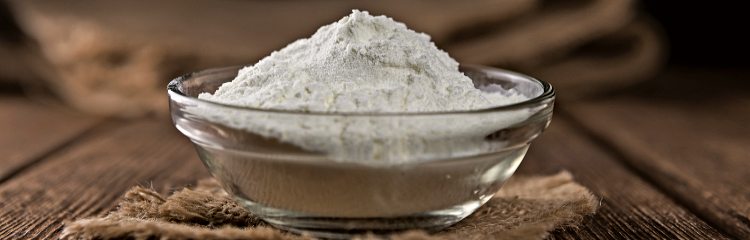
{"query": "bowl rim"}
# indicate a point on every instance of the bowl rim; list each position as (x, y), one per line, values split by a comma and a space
(548, 94)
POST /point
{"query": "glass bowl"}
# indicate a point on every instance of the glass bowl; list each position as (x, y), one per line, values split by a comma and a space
(295, 171)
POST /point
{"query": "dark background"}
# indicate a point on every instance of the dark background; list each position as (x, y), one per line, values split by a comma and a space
(699, 33)
(704, 33)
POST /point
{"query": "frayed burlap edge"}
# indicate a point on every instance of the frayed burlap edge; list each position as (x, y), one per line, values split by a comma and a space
(526, 208)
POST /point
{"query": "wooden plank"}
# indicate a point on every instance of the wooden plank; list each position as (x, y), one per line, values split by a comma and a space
(687, 137)
(30, 130)
(630, 208)
(86, 179)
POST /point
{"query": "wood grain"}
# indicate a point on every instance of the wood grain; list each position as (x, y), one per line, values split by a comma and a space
(31, 130)
(630, 208)
(690, 140)
(86, 179)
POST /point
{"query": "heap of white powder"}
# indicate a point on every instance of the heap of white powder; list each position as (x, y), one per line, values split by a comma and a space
(361, 64)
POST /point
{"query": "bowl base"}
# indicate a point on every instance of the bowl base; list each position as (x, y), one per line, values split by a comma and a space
(346, 228)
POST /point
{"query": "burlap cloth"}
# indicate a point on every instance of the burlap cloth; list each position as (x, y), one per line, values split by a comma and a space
(527, 207)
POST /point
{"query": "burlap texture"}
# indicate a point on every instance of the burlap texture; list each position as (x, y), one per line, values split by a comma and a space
(525, 208)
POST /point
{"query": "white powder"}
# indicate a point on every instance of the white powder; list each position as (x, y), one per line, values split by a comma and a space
(359, 64)
(364, 64)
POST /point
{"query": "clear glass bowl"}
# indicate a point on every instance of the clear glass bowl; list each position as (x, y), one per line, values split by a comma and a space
(434, 170)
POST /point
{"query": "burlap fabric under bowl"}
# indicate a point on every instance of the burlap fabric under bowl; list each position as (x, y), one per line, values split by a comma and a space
(527, 207)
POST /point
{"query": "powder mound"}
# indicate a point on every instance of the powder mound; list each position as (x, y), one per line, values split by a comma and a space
(366, 64)
(361, 63)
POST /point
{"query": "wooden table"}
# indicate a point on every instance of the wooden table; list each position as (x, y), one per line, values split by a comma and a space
(670, 159)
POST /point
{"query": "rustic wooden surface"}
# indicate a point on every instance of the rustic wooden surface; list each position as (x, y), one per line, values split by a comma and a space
(86, 178)
(688, 139)
(630, 207)
(668, 162)
(32, 130)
